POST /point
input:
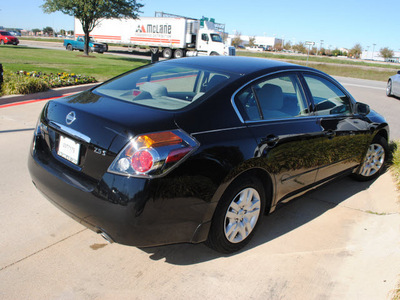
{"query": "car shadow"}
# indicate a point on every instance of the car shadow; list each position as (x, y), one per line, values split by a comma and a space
(286, 218)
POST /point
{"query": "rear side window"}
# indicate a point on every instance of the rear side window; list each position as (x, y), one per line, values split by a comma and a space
(327, 97)
(278, 97)
(164, 86)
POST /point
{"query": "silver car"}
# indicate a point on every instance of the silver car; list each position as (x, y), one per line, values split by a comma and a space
(393, 85)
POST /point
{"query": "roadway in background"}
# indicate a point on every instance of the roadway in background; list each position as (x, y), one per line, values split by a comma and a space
(339, 242)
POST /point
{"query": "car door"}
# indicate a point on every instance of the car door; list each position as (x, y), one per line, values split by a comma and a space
(276, 112)
(345, 135)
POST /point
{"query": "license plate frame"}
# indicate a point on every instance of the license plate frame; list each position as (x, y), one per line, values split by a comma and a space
(69, 149)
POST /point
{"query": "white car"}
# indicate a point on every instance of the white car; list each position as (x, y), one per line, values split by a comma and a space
(393, 85)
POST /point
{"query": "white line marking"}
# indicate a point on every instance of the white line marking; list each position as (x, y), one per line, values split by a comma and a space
(365, 86)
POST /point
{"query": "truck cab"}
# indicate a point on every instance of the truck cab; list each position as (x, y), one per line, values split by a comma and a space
(210, 42)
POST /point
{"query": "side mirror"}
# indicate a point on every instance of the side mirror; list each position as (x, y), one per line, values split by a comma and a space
(362, 109)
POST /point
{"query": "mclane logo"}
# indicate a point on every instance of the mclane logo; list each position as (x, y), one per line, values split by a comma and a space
(71, 117)
(150, 28)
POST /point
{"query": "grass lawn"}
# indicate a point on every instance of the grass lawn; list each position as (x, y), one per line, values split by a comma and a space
(100, 66)
(335, 67)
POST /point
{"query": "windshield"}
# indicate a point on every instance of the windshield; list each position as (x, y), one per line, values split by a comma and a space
(216, 38)
(164, 85)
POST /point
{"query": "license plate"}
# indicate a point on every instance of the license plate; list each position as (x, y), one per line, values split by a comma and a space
(69, 149)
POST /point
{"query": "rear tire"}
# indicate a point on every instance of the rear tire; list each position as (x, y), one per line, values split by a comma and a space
(69, 47)
(1, 42)
(167, 53)
(237, 215)
(374, 161)
(179, 53)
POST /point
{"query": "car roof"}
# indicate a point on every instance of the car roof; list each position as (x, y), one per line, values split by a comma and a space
(237, 64)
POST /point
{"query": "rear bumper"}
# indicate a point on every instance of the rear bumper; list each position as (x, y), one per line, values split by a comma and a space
(132, 211)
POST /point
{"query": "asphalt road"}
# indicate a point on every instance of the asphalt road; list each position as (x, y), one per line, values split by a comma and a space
(339, 242)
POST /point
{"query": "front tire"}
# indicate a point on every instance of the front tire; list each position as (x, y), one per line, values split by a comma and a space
(237, 215)
(374, 161)
(389, 89)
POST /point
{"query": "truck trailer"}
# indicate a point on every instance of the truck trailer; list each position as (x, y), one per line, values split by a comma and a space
(175, 36)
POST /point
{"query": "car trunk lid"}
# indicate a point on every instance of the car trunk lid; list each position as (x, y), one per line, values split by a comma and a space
(86, 131)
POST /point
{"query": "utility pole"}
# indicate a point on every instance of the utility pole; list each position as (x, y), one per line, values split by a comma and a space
(373, 50)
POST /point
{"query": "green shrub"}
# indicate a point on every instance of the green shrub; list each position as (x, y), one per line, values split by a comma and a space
(15, 84)
(23, 82)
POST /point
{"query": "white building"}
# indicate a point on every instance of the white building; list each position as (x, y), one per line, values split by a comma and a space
(262, 41)
(376, 55)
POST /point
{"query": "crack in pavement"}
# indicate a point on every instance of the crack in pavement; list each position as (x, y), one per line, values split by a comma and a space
(43, 249)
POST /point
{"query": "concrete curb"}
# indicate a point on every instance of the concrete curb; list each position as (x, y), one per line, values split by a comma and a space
(52, 93)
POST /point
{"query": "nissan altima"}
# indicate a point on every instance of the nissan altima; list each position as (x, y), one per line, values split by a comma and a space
(199, 149)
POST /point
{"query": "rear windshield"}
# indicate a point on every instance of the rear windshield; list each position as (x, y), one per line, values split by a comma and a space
(164, 86)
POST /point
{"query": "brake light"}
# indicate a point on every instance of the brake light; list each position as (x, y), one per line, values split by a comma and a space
(142, 161)
(153, 154)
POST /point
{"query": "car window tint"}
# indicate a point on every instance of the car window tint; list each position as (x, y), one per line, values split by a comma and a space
(164, 86)
(274, 98)
(327, 97)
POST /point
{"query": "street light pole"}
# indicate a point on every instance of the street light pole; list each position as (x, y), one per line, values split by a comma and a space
(373, 50)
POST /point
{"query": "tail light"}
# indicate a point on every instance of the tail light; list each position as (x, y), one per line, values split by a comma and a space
(153, 154)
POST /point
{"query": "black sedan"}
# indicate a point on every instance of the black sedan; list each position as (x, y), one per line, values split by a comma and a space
(199, 149)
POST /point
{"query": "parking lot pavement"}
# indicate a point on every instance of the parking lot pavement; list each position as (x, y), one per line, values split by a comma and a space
(338, 242)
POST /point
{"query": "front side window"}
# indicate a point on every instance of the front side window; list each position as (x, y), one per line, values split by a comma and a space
(278, 97)
(164, 86)
(327, 97)
(204, 37)
(216, 38)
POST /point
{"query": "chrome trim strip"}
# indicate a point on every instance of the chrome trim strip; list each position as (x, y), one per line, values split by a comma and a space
(70, 131)
(289, 119)
(218, 130)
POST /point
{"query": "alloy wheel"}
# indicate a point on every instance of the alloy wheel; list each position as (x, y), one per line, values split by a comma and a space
(242, 215)
(374, 160)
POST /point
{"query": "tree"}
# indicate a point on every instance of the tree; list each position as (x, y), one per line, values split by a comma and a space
(252, 41)
(386, 53)
(356, 51)
(90, 12)
(237, 40)
(288, 45)
(36, 31)
(300, 47)
(48, 30)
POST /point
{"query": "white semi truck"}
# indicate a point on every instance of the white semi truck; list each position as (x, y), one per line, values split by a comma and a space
(175, 36)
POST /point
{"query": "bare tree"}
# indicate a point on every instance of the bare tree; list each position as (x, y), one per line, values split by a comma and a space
(237, 40)
(252, 41)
